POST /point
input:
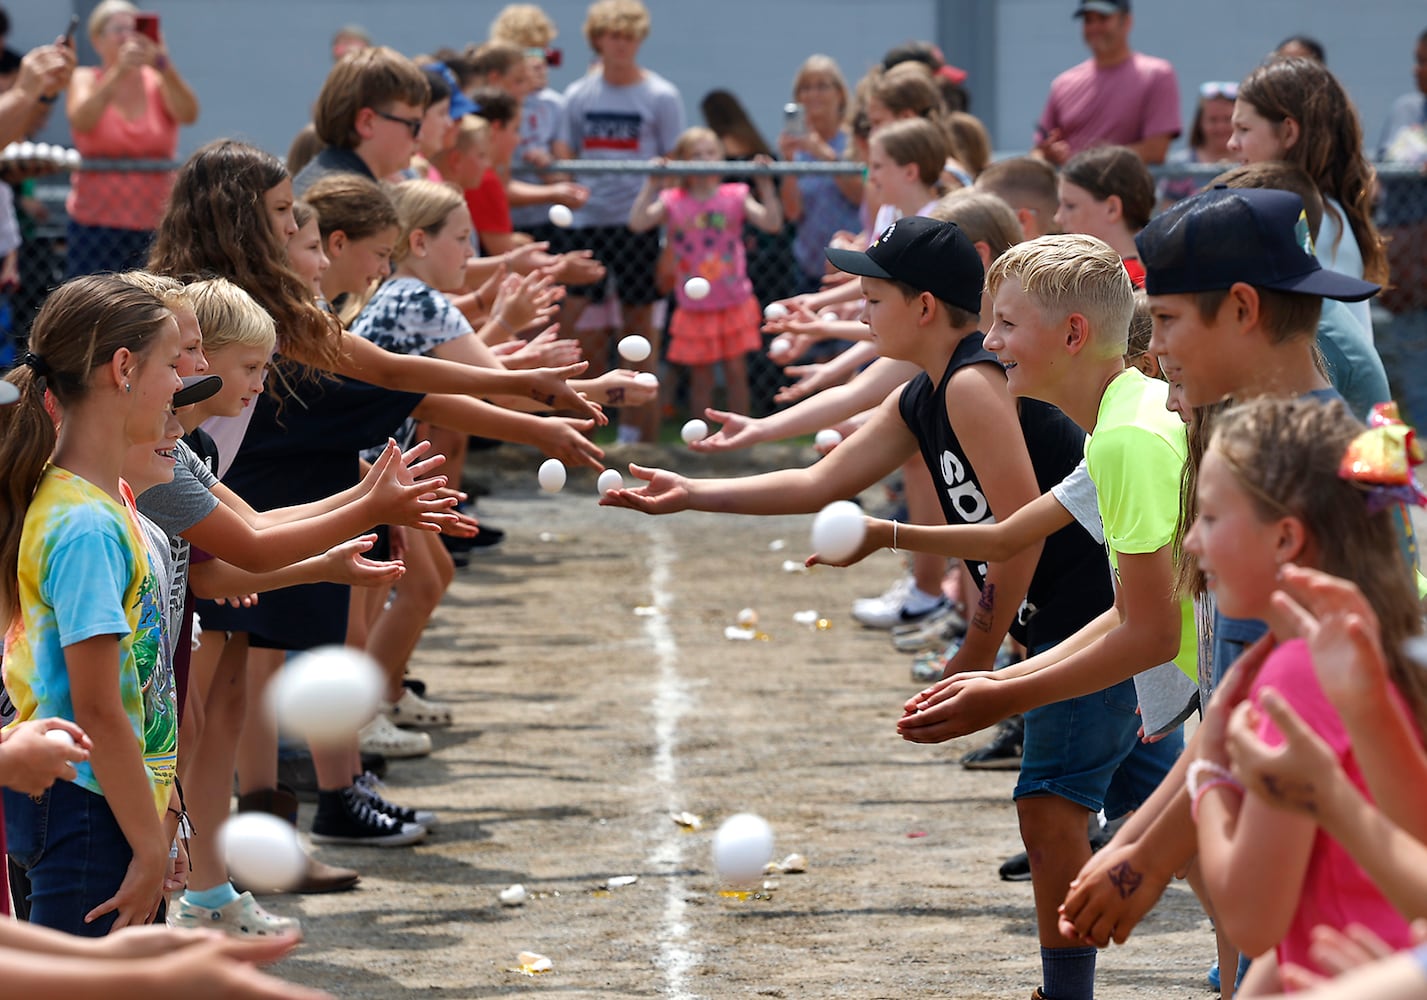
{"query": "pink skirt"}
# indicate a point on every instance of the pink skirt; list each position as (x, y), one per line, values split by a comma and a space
(706, 338)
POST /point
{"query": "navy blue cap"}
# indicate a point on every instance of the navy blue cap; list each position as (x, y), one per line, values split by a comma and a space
(1102, 7)
(1223, 236)
(928, 255)
(461, 105)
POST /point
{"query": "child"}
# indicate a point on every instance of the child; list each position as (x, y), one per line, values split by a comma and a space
(904, 163)
(705, 222)
(1293, 481)
(85, 616)
(1108, 193)
(1063, 306)
(305, 249)
(619, 111)
(1235, 294)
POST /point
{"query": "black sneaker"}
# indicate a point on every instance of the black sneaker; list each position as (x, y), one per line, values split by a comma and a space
(488, 535)
(369, 787)
(1003, 753)
(346, 817)
(296, 770)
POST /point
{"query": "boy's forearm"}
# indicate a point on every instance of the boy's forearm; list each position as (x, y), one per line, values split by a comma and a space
(994, 611)
(1100, 626)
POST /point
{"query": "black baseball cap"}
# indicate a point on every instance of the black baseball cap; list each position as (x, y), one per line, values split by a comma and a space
(1102, 7)
(928, 255)
(1223, 236)
(9, 392)
(197, 388)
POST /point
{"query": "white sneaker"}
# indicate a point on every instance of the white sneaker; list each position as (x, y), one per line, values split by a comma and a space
(895, 608)
(380, 736)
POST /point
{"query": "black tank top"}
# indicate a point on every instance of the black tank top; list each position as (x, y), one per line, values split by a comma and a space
(1071, 585)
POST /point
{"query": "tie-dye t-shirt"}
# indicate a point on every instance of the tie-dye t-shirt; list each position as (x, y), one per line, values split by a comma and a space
(85, 572)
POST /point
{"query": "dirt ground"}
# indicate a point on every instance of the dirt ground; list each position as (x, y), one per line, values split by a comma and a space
(582, 724)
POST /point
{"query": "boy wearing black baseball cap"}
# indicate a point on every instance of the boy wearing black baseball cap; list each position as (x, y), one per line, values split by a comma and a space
(1235, 292)
(922, 281)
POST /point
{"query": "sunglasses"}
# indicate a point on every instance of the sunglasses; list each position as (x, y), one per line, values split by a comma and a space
(1224, 89)
(552, 56)
(413, 124)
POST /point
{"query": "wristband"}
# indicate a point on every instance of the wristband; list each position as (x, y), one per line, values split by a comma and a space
(1204, 775)
(894, 534)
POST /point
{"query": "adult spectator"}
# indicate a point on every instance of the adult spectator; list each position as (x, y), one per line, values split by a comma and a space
(620, 111)
(949, 78)
(43, 73)
(1404, 135)
(1208, 138)
(820, 205)
(369, 115)
(1117, 96)
(1301, 47)
(128, 108)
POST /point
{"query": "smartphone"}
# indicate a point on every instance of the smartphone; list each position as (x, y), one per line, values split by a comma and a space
(146, 23)
(68, 37)
(553, 58)
(795, 122)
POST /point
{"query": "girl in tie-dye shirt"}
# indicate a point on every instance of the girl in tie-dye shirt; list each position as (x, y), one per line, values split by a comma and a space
(82, 607)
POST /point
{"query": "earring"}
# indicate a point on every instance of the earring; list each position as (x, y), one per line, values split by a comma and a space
(128, 387)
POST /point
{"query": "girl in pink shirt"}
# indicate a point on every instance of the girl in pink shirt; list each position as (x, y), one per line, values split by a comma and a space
(717, 318)
(1294, 481)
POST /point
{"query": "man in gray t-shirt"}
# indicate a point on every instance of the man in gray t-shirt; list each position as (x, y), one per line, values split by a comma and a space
(620, 111)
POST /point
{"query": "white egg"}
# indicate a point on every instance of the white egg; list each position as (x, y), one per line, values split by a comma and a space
(326, 694)
(72, 158)
(513, 896)
(647, 378)
(697, 288)
(551, 475)
(748, 617)
(828, 438)
(560, 215)
(838, 529)
(610, 479)
(634, 347)
(694, 430)
(742, 845)
(775, 310)
(780, 346)
(60, 736)
(262, 852)
(25, 150)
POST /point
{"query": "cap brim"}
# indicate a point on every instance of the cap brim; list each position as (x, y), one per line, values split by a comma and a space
(1328, 284)
(9, 392)
(1097, 8)
(461, 106)
(196, 389)
(856, 262)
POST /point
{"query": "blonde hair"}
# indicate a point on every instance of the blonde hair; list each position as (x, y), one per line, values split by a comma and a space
(470, 130)
(170, 291)
(916, 141)
(100, 15)
(523, 24)
(685, 144)
(424, 205)
(623, 17)
(1073, 273)
(983, 217)
(822, 66)
(230, 317)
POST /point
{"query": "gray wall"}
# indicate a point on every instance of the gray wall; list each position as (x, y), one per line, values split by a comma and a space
(257, 64)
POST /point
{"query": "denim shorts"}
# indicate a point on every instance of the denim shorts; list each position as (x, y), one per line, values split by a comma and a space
(71, 851)
(1087, 750)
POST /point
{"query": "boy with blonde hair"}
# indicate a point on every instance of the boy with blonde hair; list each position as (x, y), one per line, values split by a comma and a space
(1062, 316)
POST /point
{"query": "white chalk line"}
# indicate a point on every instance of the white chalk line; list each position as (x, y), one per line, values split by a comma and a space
(677, 955)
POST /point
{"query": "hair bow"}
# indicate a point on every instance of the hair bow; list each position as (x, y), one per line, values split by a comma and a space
(1380, 460)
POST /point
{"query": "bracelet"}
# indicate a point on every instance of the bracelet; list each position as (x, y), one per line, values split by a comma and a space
(894, 534)
(1204, 775)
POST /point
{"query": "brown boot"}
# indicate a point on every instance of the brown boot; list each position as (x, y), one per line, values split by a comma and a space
(320, 877)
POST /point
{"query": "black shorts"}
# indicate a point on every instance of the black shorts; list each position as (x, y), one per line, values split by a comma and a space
(630, 257)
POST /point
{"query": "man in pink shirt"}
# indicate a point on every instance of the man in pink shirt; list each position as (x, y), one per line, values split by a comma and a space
(1116, 96)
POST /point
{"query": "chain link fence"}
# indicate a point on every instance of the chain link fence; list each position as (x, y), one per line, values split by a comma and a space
(126, 195)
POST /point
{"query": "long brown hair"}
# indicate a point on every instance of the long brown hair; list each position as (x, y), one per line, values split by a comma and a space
(217, 226)
(78, 330)
(1285, 455)
(1329, 146)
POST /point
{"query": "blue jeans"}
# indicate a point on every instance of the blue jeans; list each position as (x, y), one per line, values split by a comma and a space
(71, 851)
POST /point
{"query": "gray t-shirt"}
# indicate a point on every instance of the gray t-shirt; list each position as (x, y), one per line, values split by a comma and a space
(603, 122)
(1076, 493)
(174, 508)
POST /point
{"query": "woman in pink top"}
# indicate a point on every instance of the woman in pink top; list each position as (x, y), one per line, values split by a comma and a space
(128, 108)
(717, 319)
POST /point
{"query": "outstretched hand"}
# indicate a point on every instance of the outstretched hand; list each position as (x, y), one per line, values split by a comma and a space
(346, 563)
(737, 431)
(1296, 776)
(549, 387)
(870, 543)
(400, 496)
(665, 492)
(1342, 632)
(957, 706)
